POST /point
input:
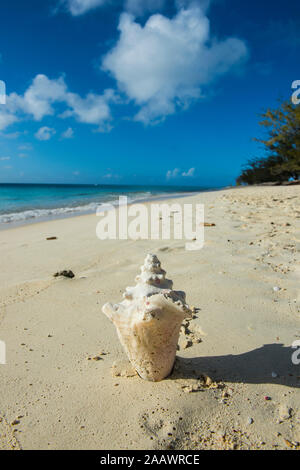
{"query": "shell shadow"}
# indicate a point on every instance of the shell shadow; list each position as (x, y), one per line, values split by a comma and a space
(253, 367)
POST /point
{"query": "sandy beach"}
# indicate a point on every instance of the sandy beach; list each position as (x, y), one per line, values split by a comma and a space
(234, 385)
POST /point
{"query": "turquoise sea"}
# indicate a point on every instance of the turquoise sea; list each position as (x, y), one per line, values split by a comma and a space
(20, 203)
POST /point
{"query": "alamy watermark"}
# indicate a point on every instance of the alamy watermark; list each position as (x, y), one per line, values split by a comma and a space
(2, 92)
(296, 94)
(2, 353)
(296, 354)
(152, 222)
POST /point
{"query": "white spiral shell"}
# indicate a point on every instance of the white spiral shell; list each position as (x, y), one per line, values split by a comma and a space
(148, 321)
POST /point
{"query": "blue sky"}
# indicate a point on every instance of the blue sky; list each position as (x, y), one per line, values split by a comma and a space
(140, 92)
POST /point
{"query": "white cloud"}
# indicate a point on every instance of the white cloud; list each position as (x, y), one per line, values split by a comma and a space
(79, 7)
(76, 173)
(68, 134)
(162, 66)
(6, 118)
(94, 109)
(45, 133)
(25, 147)
(173, 173)
(39, 98)
(176, 173)
(165, 64)
(3, 159)
(111, 176)
(190, 173)
(2, 91)
(13, 135)
(43, 94)
(37, 101)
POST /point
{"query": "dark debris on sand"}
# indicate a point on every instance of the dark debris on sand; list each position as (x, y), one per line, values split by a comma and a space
(66, 273)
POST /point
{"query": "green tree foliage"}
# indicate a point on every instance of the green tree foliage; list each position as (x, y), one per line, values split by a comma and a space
(282, 145)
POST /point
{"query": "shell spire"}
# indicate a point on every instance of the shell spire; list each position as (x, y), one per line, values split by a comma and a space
(148, 321)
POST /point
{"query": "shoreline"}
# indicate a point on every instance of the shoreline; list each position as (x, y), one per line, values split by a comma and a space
(35, 220)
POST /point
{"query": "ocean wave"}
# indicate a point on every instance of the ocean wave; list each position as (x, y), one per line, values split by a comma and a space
(30, 214)
(37, 213)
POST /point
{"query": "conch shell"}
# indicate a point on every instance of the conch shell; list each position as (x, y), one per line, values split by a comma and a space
(148, 321)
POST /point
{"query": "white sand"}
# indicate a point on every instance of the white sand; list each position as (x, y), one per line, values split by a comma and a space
(53, 397)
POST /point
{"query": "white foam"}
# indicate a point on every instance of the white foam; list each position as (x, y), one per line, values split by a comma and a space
(28, 215)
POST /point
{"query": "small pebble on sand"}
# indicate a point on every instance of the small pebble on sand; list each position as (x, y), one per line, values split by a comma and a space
(15, 422)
